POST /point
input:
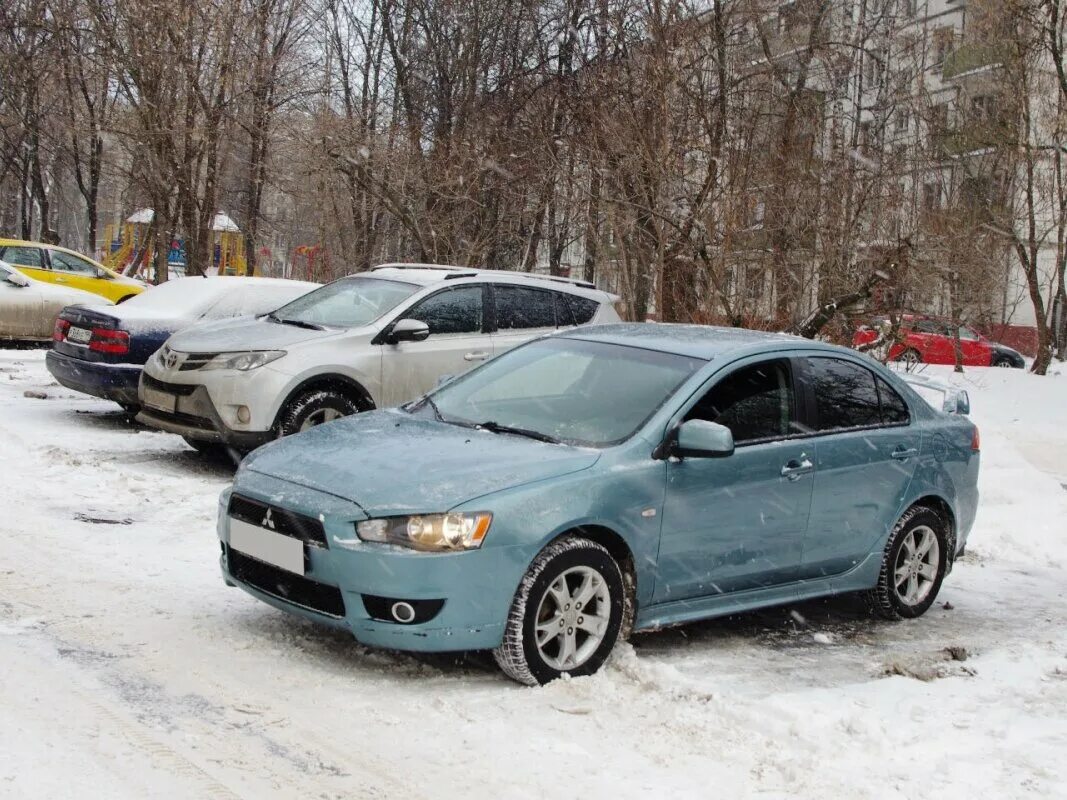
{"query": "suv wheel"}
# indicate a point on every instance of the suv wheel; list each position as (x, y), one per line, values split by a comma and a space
(910, 358)
(314, 408)
(913, 566)
(566, 615)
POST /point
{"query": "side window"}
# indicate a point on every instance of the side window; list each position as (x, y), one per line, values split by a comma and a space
(64, 262)
(967, 335)
(845, 394)
(451, 311)
(518, 307)
(574, 310)
(24, 256)
(894, 409)
(756, 403)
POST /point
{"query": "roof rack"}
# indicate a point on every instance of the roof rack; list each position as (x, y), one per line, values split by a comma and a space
(471, 272)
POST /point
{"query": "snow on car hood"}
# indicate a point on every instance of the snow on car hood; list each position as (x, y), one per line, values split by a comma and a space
(391, 463)
(243, 333)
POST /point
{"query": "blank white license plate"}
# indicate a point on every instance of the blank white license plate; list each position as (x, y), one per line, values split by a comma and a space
(79, 335)
(268, 546)
(160, 400)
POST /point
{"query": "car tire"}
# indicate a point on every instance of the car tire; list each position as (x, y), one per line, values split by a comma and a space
(913, 565)
(566, 568)
(910, 358)
(314, 408)
(1002, 362)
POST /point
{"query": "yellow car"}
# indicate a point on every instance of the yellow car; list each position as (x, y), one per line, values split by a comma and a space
(52, 264)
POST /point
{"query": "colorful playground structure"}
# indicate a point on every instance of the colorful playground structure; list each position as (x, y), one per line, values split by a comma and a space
(130, 251)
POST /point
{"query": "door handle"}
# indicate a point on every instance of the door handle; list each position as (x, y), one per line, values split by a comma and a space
(904, 453)
(61, 280)
(478, 355)
(794, 469)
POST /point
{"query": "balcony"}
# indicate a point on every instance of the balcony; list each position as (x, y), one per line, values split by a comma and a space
(970, 56)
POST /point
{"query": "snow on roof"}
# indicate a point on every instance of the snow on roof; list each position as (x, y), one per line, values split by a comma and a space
(221, 222)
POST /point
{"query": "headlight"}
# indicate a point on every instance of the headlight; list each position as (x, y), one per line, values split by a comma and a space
(429, 532)
(243, 361)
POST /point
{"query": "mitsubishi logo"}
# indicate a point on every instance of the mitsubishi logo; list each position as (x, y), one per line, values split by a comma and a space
(268, 521)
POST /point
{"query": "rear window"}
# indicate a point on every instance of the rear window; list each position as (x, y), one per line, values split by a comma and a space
(519, 307)
(182, 295)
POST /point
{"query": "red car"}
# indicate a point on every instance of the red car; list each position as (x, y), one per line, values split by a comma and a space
(928, 340)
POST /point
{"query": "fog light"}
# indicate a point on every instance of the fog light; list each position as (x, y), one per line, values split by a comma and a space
(403, 612)
(243, 414)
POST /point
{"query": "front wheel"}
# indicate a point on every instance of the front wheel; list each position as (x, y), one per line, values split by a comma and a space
(913, 566)
(315, 408)
(566, 615)
(910, 358)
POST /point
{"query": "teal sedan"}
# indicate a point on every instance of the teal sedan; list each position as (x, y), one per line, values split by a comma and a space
(603, 481)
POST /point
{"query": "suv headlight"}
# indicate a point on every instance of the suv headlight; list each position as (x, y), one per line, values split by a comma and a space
(243, 361)
(435, 532)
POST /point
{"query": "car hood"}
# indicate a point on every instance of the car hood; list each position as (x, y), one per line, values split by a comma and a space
(390, 463)
(243, 333)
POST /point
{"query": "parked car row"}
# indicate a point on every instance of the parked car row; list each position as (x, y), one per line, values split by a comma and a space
(517, 471)
(50, 263)
(28, 307)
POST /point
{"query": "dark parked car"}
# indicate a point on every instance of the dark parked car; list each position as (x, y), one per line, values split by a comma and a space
(100, 351)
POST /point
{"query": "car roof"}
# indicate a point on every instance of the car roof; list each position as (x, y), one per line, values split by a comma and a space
(699, 341)
(428, 274)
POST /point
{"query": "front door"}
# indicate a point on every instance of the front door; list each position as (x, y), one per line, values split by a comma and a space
(737, 523)
(456, 343)
(866, 453)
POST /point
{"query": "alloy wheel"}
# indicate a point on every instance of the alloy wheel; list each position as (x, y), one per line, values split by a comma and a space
(917, 563)
(320, 416)
(573, 618)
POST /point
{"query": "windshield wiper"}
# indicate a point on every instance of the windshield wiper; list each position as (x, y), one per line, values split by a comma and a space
(496, 427)
(426, 400)
(299, 323)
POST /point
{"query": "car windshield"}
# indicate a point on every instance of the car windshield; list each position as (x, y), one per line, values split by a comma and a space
(347, 303)
(561, 389)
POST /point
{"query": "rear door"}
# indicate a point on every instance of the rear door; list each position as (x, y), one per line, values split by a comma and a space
(28, 259)
(737, 523)
(22, 311)
(866, 450)
(520, 313)
(976, 353)
(457, 342)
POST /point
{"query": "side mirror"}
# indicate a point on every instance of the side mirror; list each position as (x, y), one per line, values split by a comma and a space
(442, 380)
(408, 330)
(16, 278)
(958, 402)
(104, 275)
(699, 438)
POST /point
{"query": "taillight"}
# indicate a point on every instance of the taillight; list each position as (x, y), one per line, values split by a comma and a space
(59, 333)
(108, 341)
(976, 441)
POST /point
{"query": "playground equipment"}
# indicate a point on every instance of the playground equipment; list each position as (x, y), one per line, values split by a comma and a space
(129, 242)
(311, 262)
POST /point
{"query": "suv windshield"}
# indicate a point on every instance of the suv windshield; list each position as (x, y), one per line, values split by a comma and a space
(347, 303)
(561, 389)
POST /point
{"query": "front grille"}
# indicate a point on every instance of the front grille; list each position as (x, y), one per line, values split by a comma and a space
(196, 361)
(180, 389)
(286, 586)
(306, 529)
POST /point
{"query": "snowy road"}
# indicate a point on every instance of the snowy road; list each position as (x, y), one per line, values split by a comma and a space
(130, 670)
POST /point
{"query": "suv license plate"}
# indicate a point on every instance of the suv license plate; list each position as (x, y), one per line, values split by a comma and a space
(162, 401)
(79, 335)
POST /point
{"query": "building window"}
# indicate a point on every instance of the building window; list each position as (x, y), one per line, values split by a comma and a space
(902, 120)
(907, 8)
(944, 39)
(931, 196)
(874, 67)
(983, 107)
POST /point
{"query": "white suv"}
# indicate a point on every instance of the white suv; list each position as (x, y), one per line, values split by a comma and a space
(371, 340)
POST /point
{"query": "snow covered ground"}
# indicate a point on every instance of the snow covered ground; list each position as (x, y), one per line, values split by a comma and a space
(130, 670)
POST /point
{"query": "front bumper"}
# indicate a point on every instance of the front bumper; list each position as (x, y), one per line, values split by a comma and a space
(476, 587)
(195, 416)
(117, 382)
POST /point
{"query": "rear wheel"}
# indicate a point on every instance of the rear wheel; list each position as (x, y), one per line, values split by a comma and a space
(913, 566)
(1002, 362)
(910, 358)
(566, 615)
(314, 408)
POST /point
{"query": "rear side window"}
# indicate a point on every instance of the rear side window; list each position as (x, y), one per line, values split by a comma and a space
(519, 307)
(894, 409)
(24, 256)
(756, 403)
(573, 310)
(451, 311)
(845, 394)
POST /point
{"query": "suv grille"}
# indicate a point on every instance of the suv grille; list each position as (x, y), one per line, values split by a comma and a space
(286, 586)
(306, 529)
(196, 361)
(180, 389)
